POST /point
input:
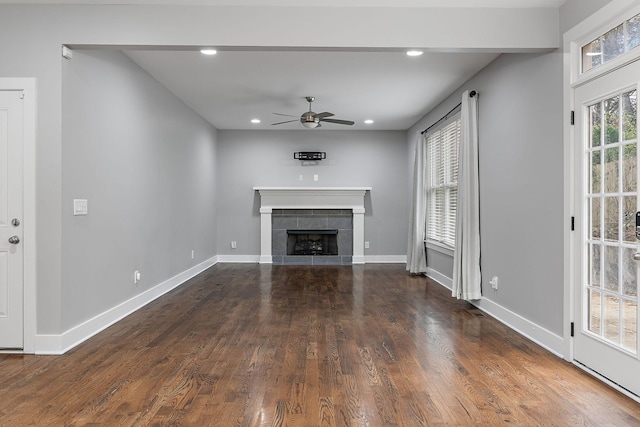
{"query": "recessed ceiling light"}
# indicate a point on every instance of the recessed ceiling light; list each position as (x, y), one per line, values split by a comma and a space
(255, 121)
(414, 52)
(368, 122)
(208, 51)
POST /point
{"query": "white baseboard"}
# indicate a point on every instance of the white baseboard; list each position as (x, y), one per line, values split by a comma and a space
(539, 335)
(370, 259)
(358, 259)
(265, 259)
(60, 344)
(385, 259)
(536, 333)
(243, 259)
(439, 277)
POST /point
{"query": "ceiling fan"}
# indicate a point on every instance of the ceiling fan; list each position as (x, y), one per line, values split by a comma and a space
(312, 120)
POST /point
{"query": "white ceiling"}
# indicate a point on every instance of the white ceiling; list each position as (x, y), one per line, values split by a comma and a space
(315, 3)
(237, 85)
(233, 87)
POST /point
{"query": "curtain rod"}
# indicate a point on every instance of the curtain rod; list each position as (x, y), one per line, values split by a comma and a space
(471, 95)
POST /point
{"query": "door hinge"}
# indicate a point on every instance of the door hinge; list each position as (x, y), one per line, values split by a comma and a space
(572, 328)
(573, 117)
(573, 223)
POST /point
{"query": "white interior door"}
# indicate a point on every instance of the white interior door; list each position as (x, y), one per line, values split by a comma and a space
(606, 294)
(11, 210)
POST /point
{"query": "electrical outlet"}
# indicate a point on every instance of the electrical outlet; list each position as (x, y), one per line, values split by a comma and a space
(80, 207)
(193, 254)
(315, 177)
(301, 177)
(136, 276)
(234, 244)
(494, 282)
(366, 245)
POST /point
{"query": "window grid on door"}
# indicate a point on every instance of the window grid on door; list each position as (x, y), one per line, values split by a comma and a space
(611, 303)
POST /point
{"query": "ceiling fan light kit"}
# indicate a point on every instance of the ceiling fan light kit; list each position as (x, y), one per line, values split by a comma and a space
(311, 120)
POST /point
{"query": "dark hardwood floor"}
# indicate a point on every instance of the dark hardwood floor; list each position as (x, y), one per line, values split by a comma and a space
(250, 345)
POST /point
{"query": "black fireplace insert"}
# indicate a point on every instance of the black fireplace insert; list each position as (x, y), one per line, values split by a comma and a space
(312, 242)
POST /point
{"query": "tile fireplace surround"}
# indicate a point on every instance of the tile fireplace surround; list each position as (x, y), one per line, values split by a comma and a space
(351, 198)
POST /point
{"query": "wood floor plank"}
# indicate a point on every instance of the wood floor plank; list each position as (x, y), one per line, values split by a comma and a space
(259, 345)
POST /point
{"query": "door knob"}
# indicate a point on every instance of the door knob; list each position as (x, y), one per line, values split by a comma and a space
(14, 240)
(636, 256)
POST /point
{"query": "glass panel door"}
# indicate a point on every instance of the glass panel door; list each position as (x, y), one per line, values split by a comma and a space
(612, 293)
(606, 297)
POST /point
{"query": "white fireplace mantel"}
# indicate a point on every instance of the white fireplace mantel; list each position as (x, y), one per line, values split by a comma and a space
(312, 198)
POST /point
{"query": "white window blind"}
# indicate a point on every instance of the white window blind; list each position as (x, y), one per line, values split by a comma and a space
(441, 184)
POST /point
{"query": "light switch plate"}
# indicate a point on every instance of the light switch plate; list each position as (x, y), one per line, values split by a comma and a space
(80, 207)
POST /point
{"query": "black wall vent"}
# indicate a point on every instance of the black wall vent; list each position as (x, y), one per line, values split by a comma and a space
(309, 155)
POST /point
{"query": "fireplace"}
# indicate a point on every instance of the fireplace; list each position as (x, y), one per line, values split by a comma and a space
(349, 201)
(323, 236)
(312, 242)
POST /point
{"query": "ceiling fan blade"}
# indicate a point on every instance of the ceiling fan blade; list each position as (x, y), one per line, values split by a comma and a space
(338, 121)
(323, 115)
(288, 121)
(286, 115)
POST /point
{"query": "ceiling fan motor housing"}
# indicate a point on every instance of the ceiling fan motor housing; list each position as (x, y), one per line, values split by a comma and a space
(311, 120)
(309, 116)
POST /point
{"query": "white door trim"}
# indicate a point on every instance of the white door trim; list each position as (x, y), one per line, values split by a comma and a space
(28, 86)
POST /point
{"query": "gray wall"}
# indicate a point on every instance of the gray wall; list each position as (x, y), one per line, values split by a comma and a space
(354, 158)
(146, 163)
(31, 37)
(575, 11)
(521, 183)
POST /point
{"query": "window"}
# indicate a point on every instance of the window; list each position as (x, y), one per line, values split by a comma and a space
(612, 44)
(441, 183)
